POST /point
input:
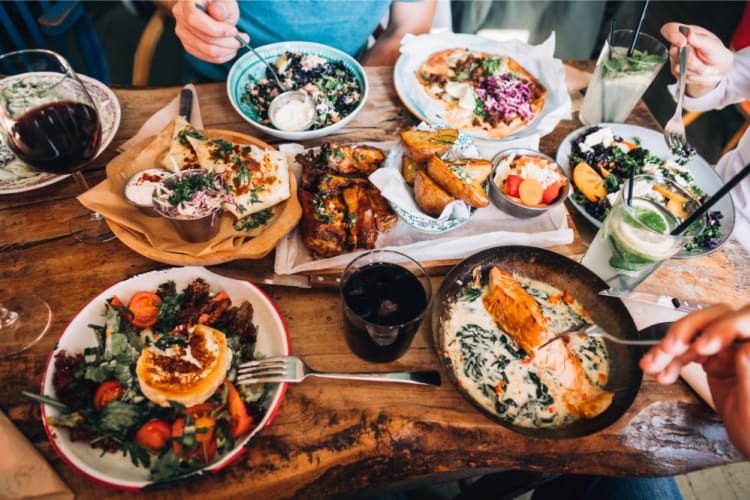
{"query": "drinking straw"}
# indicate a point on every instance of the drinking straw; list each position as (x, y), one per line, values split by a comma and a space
(712, 200)
(631, 174)
(637, 29)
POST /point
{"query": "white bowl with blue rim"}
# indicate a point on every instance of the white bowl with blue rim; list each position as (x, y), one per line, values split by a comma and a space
(249, 67)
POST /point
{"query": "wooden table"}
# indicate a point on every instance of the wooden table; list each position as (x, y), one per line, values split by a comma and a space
(333, 438)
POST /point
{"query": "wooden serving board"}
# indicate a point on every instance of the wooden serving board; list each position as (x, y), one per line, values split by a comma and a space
(232, 245)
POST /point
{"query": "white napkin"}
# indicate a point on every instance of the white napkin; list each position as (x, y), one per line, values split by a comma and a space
(645, 315)
(161, 118)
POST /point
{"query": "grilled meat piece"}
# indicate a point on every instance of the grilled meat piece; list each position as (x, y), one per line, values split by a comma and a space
(362, 231)
(350, 159)
(323, 225)
(335, 184)
(385, 217)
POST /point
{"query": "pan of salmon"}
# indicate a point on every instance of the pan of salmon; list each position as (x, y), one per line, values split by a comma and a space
(490, 317)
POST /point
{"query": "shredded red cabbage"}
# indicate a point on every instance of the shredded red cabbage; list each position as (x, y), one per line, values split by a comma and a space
(507, 95)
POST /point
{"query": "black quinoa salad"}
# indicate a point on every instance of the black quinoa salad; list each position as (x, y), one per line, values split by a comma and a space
(334, 89)
(606, 151)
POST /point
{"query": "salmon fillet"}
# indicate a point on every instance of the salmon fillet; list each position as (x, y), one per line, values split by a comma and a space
(515, 311)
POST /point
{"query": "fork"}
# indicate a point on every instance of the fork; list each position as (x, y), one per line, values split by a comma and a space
(594, 330)
(674, 131)
(293, 369)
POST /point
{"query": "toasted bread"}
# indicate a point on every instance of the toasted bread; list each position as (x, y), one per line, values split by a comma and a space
(430, 197)
(458, 179)
(421, 145)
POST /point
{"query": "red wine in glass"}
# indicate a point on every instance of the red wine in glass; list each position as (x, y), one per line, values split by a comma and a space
(58, 137)
(50, 122)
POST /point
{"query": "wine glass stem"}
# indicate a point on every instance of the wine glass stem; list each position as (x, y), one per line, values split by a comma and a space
(81, 180)
(7, 317)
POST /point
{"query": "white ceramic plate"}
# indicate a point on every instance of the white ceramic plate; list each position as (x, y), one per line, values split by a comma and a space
(17, 177)
(652, 140)
(416, 100)
(113, 469)
(249, 65)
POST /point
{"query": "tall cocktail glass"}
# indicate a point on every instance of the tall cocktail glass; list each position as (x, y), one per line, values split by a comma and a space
(634, 240)
(620, 80)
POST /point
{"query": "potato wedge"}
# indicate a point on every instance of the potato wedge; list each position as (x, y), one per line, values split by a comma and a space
(456, 180)
(409, 167)
(430, 197)
(421, 145)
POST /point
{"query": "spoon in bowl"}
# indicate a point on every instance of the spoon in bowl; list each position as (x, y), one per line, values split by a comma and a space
(291, 110)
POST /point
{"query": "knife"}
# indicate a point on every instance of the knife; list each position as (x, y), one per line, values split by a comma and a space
(326, 281)
(651, 298)
(186, 103)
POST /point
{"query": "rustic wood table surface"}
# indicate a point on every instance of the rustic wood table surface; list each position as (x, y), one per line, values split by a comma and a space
(333, 438)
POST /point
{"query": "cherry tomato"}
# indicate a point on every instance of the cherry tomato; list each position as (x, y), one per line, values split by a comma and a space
(510, 187)
(551, 192)
(106, 392)
(153, 435)
(145, 309)
(241, 422)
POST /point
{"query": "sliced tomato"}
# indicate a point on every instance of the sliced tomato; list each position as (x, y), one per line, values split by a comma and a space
(145, 309)
(241, 421)
(510, 187)
(154, 434)
(106, 392)
(204, 436)
(551, 192)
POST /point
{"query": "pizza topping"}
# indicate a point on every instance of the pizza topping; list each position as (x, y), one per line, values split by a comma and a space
(505, 96)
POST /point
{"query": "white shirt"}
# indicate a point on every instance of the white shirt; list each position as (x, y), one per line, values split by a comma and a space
(735, 87)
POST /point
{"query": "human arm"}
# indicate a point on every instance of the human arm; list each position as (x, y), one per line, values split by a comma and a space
(709, 337)
(405, 17)
(206, 35)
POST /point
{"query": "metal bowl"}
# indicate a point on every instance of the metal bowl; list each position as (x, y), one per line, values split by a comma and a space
(513, 207)
(193, 229)
(564, 274)
(139, 189)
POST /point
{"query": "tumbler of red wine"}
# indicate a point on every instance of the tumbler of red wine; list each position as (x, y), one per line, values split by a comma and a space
(49, 121)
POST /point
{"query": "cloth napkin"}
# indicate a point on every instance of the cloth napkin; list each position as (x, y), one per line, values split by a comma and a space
(24, 473)
(161, 119)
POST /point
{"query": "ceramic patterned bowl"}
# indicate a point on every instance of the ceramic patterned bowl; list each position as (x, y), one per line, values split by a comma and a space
(249, 68)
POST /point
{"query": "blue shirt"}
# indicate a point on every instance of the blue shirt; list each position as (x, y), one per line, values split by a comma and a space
(345, 25)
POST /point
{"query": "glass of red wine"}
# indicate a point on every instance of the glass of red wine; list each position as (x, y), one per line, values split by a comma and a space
(49, 121)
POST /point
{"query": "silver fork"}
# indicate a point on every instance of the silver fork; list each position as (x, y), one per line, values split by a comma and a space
(593, 330)
(674, 131)
(293, 369)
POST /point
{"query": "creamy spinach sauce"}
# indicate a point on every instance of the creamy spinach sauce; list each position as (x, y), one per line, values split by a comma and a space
(499, 375)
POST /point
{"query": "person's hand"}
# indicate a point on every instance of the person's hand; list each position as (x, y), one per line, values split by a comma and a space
(208, 35)
(709, 337)
(708, 60)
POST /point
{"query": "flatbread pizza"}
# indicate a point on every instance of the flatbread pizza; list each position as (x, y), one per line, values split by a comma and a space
(482, 92)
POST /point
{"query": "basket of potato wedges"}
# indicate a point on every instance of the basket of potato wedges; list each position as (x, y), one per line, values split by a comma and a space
(443, 176)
